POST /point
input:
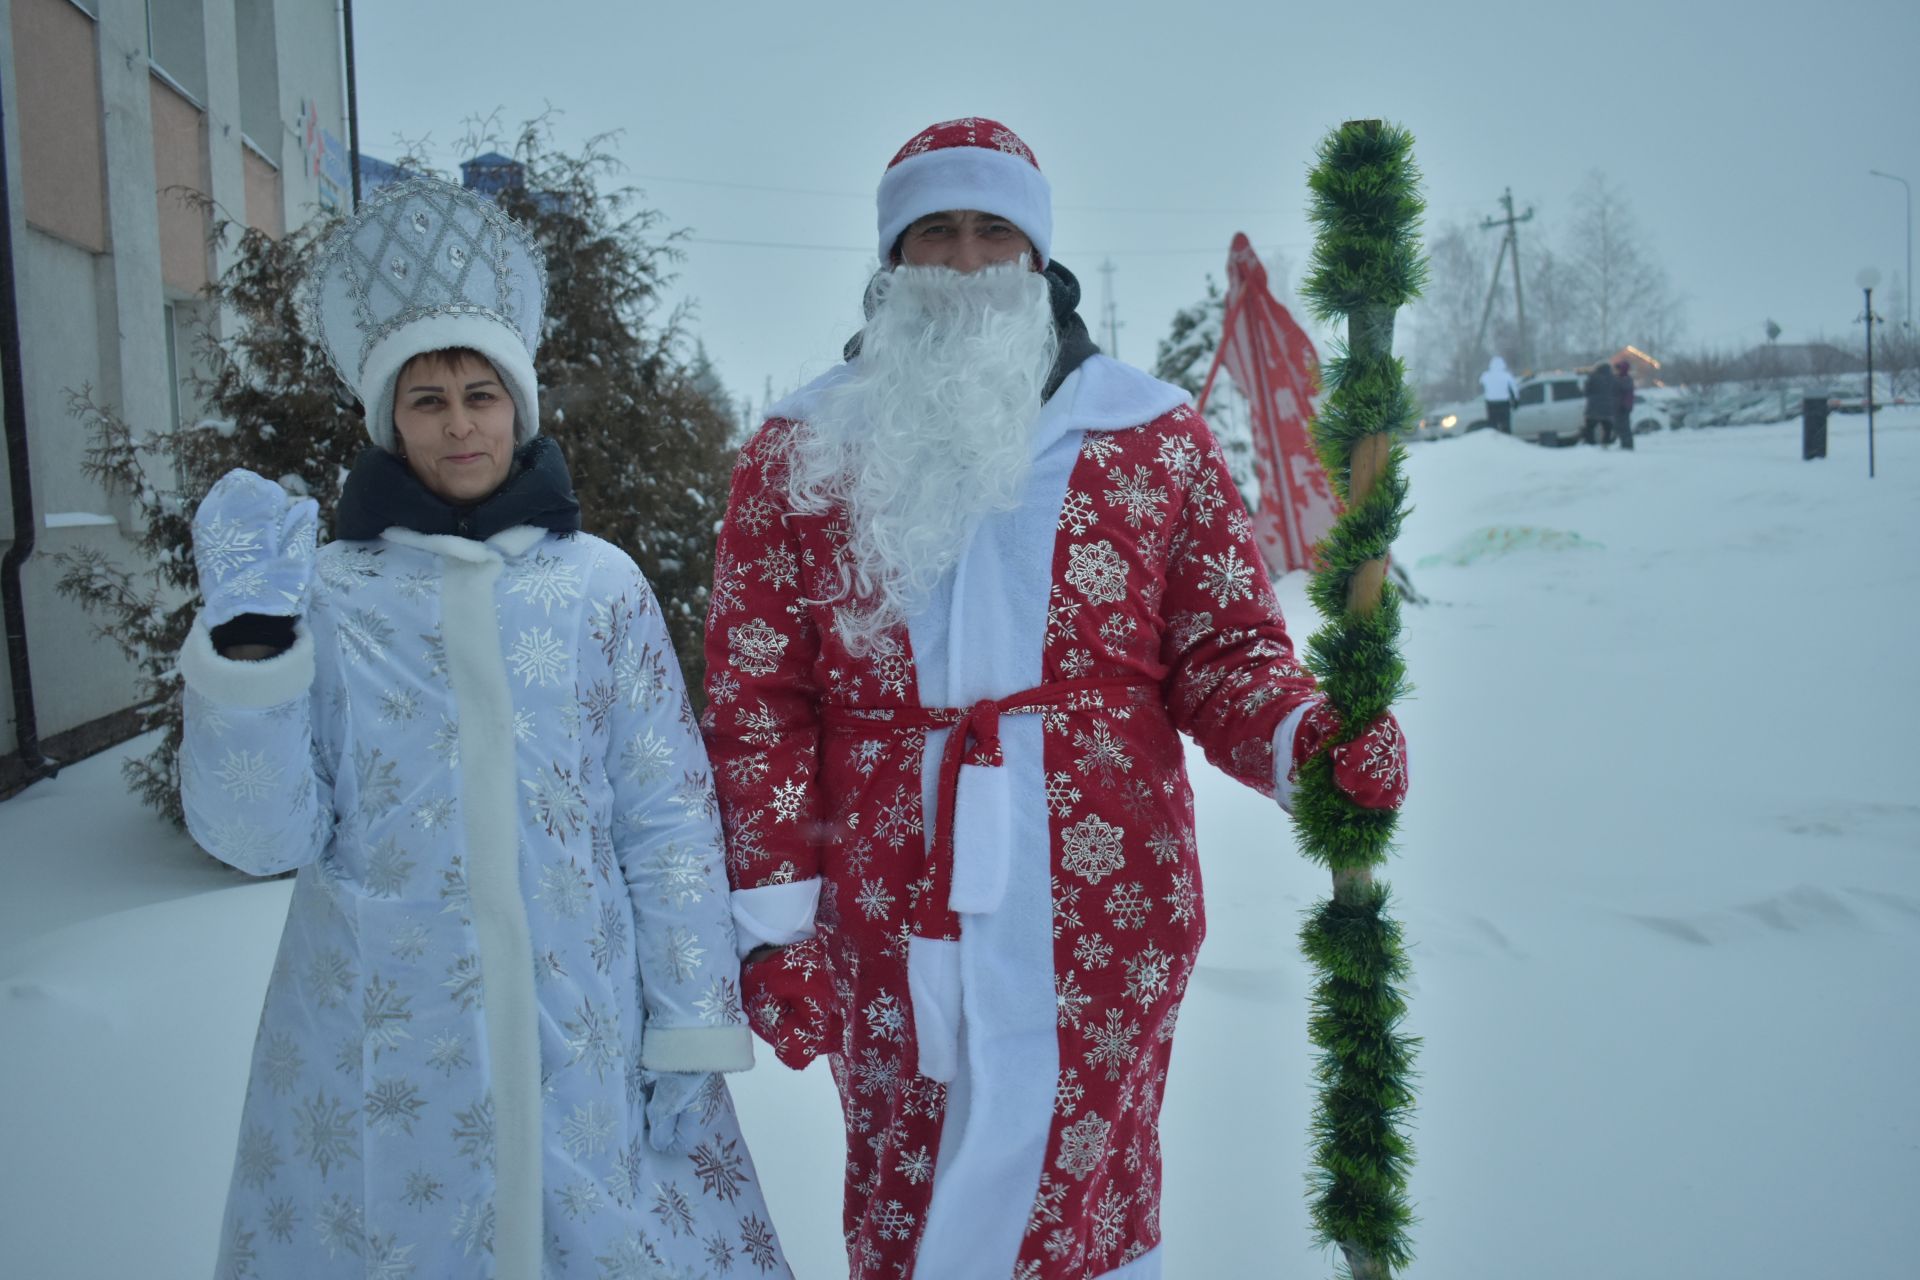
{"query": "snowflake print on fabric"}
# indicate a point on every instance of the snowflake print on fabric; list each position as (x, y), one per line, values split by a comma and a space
(565, 889)
(282, 1219)
(398, 706)
(1111, 1046)
(1098, 572)
(1083, 1145)
(1128, 905)
(755, 647)
(365, 635)
(248, 776)
(592, 1037)
(587, 1129)
(645, 758)
(473, 1133)
(545, 580)
(756, 1240)
(258, 1158)
(1184, 898)
(324, 1132)
(1147, 975)
(473, 1227)
(281, 1062)
(1093, 848)
(875, 900)
(893, 1221)
(384, 1015)
(393, 1105)
(1137, 496)
(555, 800)
(1069, 1000)
(345, 568)
(1103, 753)
(538, 657)
(1228, 577)
(1067, 1093)
(718, 1164)
(672, 1208)
(1076, 513)
(1092, 951)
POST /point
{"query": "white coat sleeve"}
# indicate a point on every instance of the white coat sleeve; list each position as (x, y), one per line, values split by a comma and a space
(668, 842)
(253, 778)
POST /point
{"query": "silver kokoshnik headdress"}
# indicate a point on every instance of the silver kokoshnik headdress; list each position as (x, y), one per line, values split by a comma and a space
(422, 266)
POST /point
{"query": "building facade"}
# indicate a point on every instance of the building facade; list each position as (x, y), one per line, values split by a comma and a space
(115, 111)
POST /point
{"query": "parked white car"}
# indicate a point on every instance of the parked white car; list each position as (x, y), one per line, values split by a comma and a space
(1450, 421)
(1552, 407)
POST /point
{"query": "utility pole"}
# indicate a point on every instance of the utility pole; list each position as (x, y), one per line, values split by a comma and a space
(1509, 244)
(1109, 313)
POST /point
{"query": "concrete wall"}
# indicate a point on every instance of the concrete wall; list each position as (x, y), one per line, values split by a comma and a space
(109, 129)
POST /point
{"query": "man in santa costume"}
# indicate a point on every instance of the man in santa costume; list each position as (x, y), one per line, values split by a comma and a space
(971, 586)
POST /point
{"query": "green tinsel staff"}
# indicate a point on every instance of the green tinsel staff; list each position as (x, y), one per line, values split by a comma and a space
(1366, 264)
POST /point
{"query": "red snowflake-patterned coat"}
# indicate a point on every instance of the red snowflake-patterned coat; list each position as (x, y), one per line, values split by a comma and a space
(1075, 870)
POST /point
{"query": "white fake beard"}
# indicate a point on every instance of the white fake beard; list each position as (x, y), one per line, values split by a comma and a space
(931, 432)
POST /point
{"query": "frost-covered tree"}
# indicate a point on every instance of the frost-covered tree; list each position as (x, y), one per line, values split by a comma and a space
(1183, 358)
(1617, 290)
(646, 437)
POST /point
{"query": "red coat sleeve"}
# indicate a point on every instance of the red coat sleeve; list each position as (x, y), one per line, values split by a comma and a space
(1232, 676)
(762, 719)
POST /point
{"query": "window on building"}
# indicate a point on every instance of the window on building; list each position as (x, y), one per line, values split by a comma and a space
(177, 44)
(62, 153)
(179, 172)
(254, 37)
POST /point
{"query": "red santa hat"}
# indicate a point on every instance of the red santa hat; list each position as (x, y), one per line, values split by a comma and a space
(973, 163)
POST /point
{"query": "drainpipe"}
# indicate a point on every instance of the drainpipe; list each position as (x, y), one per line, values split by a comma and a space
(25, 724)
(353, 103)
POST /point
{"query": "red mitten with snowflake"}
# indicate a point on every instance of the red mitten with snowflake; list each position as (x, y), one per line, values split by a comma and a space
(1371, 769)
(789, 1001)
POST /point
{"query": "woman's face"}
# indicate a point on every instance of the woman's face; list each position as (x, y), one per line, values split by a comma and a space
(454, 420)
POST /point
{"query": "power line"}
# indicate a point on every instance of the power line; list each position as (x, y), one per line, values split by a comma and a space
(868, 195)
(868, 249)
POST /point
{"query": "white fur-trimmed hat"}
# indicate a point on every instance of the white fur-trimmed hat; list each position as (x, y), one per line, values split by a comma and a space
(422, 266)
(974, 163)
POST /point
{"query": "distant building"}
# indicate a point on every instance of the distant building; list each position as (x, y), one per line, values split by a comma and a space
(1645, 369)
(112, 107)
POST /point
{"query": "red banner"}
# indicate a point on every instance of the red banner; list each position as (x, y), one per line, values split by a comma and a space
(1273, 363)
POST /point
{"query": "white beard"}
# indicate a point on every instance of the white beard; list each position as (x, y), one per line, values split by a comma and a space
(931, 432)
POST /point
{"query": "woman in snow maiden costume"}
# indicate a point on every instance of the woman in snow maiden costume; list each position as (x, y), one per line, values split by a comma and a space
(971, 586)
(508, 978)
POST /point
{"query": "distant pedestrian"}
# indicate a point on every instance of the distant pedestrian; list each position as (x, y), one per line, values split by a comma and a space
(1498, 386)
(1623, 399)
(1602, 404)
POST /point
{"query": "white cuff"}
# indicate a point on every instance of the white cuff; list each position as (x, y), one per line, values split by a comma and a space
(230, 682)
(775, 915)
(1283, 737)
(696, 1048)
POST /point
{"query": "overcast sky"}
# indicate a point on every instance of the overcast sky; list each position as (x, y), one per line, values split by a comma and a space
(1742, 134)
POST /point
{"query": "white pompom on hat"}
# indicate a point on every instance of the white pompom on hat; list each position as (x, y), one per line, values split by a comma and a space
(423, 266)
(974, 163)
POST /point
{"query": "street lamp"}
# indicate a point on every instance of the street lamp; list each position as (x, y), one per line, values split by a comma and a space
(1868, 278)
(1894, 177)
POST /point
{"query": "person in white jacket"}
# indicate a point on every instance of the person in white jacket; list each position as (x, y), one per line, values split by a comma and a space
(508, 979)
(1500, 390)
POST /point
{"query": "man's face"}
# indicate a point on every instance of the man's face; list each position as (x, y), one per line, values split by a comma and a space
(964, 240)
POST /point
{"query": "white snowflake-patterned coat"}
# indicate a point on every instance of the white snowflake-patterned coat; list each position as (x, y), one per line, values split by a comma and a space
(511, 901)
(1002, 1098)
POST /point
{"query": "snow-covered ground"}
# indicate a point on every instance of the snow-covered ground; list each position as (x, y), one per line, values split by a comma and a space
(1661, 871)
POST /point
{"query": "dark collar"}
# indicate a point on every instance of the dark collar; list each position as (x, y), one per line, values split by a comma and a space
(382, 493)
(1076, 344)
